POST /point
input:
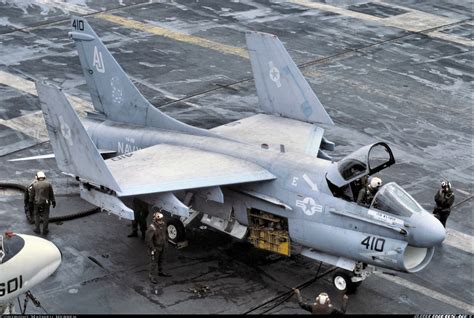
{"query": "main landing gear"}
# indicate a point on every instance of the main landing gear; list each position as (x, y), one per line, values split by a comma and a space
(176, 231)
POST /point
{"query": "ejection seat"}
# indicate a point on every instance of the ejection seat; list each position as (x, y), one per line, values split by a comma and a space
(342, 177)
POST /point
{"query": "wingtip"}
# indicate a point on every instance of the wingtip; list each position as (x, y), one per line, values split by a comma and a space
(254, 37)
(263, 34)
(330, 122)
(46, 84)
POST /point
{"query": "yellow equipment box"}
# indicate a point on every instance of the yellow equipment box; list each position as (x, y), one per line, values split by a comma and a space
(269, 232)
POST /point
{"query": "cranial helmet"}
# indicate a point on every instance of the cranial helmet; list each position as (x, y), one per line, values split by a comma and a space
(157, 216)
(375, 183)
(322, 298)
(40, 174)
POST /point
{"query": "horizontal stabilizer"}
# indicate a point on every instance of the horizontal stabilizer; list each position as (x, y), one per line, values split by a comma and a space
(47, 156)
(51, 156)
(281, 87)
(106, 202)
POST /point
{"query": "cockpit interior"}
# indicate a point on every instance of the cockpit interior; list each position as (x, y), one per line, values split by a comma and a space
(349, 175)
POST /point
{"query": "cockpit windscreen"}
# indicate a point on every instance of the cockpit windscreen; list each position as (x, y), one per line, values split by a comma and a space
(393, 199)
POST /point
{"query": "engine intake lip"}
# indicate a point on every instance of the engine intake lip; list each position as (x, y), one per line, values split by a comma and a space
(417, 258)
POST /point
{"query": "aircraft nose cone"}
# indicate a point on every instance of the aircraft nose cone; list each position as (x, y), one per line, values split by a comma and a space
(438, 232)
(429, 232)
(45, 255)
(53, 255)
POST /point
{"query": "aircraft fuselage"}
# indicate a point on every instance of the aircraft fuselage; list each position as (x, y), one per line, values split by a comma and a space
(316, 219)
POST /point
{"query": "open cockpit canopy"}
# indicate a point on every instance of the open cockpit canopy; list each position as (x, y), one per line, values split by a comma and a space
(367, 160)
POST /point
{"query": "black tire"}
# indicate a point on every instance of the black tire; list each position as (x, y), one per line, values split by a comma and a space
(176, 231)
(342, 281)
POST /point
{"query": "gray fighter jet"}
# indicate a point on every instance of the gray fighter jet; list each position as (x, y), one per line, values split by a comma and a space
(265, 178)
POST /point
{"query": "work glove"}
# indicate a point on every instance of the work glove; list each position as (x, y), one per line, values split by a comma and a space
(54, 204)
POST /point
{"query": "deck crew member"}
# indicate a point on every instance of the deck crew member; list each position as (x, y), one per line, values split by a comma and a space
(444, 200)
(42, 196)
(140, 212)
(29, 206)
(322, 304)
(156, 242)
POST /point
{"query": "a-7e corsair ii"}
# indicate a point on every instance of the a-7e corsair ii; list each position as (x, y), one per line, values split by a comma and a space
(264, 178)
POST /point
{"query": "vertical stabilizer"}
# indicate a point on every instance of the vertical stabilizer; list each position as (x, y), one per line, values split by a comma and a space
(112, 92)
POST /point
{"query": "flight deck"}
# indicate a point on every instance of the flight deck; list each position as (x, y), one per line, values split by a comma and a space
(398, 72)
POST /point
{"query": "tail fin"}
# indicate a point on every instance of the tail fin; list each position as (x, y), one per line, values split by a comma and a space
(74, 150)
(281, 87)
(112, 92)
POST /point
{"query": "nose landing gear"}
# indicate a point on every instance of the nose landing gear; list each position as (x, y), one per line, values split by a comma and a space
(349, 281)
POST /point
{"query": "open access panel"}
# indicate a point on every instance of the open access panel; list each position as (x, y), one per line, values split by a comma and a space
(269, 231)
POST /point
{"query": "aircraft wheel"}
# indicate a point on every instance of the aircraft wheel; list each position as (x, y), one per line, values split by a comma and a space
(342, 281)
(176, 231)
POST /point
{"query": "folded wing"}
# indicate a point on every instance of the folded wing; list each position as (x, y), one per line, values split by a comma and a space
(281, 88)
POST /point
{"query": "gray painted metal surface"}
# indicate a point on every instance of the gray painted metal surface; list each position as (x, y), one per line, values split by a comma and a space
(281, 87)
(274, 131)
(314, 195)
(163, 168)
(111, 91)
(406, 89)
(75, 153)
